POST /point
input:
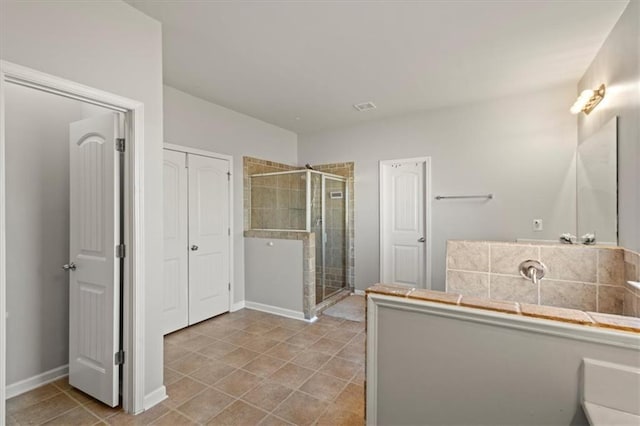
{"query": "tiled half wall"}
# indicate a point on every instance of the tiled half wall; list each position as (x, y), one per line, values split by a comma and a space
(586, 278)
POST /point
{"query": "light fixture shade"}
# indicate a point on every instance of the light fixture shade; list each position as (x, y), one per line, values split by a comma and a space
(588, 100)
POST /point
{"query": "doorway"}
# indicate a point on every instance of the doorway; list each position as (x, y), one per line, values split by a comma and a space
(405, 217)
(71, 191)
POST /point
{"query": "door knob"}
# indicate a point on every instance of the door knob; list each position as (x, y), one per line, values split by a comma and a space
(422, 239)
(69, 267)
(194, 247)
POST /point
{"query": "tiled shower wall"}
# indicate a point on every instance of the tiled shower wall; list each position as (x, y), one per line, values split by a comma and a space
(253, 166)
(255, 206)
(585, 278)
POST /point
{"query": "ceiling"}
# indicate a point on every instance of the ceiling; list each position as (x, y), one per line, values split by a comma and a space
(301, 65)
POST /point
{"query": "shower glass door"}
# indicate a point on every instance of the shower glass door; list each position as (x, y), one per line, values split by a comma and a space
(334, 232)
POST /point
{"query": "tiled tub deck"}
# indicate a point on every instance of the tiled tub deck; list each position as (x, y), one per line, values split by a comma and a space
(592, 319)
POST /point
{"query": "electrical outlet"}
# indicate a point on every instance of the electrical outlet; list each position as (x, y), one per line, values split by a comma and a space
(537, 224)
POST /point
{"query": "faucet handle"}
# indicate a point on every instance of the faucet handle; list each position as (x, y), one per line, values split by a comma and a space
(533, 270)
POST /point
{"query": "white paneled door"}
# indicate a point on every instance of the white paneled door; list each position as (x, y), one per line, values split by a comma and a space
(94, 270)
(175, 308)
(209, 236)
(403, 222)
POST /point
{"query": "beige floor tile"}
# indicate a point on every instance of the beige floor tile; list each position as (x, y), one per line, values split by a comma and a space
(341, 368)
(301, 409)
(79, 396)
(292, 324)
(272, 420)
(182, 390)
(259, 327)
(189, 363)
(212, 372)
(62, 384)
(360, 377)
(217, 349)
(284, 351)
(341, 335)
(32, 397)
(101, 410)
(180, 336)
(239, 338)
(351, 399)
(280, 334)
(291, 375)
(197, 342)
(337, 417)
(144, 418)
(239, 413)
(263, 365)
(303, 340)
(329, 321)
(239, 357)
(45, 410)
(323, 386)
(267, 395)
(356, 326)
(174, 418)
(238, 383)
(78, 416)
(260, 344)
(353, 352)
(328, 346)
(205, 405)
(171, 376)
(172, 353)
(311, 359)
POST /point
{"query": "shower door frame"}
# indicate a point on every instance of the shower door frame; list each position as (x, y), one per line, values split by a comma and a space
(323, 213)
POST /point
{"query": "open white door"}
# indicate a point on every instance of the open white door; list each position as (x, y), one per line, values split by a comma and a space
(209, 236)
(403, 222)
(175, 308)
(94, 270)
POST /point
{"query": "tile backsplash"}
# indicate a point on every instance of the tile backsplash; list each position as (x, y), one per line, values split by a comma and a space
(596, 279)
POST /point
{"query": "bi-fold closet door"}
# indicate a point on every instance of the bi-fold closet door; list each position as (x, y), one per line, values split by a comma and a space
(196, 238)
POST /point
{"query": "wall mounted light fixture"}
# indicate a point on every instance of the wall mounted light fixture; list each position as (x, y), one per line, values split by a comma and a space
(588, 100)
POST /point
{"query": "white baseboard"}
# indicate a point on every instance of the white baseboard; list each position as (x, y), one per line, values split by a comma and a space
(31, 383)
(358, 292)
(274, 310)
(155, 397)
(237, 306)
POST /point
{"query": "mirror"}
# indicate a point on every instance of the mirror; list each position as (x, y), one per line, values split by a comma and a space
(597, 185)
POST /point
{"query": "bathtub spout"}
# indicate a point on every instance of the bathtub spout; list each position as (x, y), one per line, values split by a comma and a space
(533, 270)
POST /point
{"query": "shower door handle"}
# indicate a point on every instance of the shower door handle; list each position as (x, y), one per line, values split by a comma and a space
(422, 239)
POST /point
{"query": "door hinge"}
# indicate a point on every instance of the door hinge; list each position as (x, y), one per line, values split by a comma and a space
(120, 144)
(120, 251)
(229, 231)
(118, 358)
(229, 286)
(229, 176)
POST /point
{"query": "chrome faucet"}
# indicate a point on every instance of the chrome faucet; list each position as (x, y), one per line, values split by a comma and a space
(533, 270)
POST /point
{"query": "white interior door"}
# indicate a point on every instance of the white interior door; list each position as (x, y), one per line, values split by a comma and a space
(175, 308)
(403, 222)
(209, 236)
(94, 275)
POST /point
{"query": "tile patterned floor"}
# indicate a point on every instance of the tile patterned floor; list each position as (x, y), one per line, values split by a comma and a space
(242, 368)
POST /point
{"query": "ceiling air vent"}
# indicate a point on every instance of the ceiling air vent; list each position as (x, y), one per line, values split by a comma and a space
(365, 106)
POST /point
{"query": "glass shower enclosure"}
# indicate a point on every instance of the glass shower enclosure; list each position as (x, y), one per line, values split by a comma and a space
(307, 201)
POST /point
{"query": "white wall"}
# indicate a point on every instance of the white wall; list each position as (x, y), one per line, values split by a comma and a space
(193, 122)
(37, 173)
(520, 148)
(617, 65)
(274, 273)
(113, 47)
